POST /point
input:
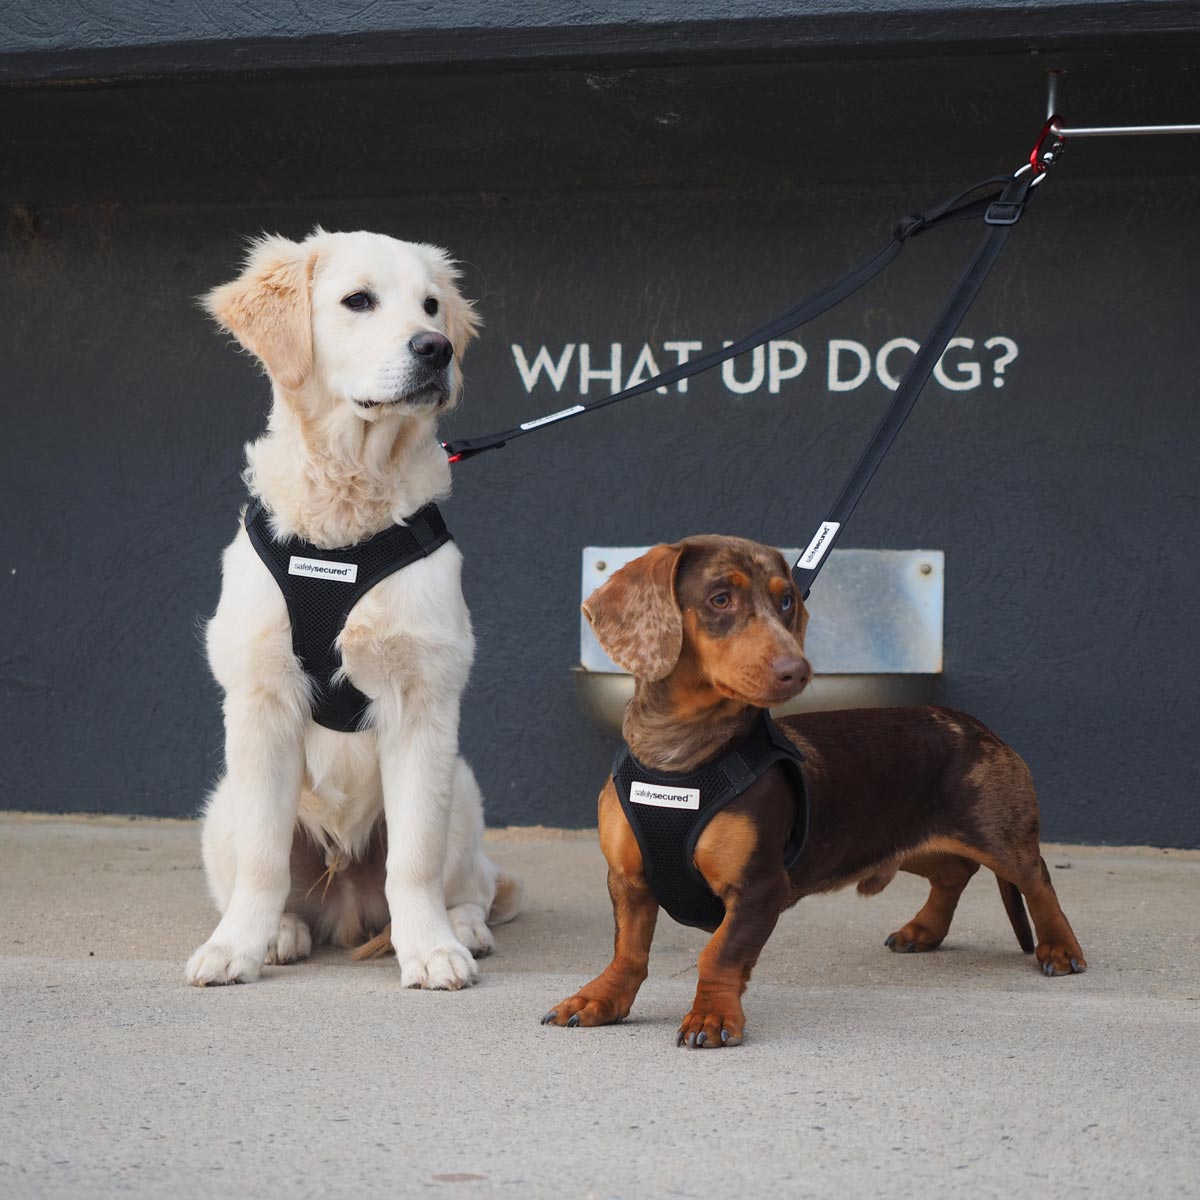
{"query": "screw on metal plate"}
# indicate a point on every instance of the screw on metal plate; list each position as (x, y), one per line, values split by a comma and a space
(927, 568)
(602, 566)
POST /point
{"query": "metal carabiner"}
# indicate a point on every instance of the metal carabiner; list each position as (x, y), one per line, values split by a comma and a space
(1038, 161)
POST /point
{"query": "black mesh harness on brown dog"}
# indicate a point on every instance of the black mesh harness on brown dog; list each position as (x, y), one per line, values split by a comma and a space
(669, 811)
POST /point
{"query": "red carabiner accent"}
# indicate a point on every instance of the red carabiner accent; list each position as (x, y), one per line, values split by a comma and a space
(1035, 155)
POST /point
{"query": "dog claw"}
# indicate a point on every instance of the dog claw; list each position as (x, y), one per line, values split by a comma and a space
(549, 1017)
(724, 1036)
(572, 1021)
(701, 1039)
(890, 940)
(1077, 967)
(679, 1038)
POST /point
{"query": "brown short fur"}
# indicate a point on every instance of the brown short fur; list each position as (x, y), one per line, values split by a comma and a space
(713, 630)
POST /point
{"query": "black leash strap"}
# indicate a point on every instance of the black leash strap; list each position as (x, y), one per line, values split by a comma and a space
(1000, 216)
(960, 207)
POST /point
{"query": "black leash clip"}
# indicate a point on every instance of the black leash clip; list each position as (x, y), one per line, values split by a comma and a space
(461, 451)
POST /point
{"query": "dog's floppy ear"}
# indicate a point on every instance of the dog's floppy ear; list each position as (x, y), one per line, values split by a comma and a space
(268, 307)
(635, 615)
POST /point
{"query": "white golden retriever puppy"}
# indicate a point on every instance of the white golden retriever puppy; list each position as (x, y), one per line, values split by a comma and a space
(313, 832)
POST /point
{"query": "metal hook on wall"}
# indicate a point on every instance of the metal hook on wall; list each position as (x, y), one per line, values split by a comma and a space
(1053, 89)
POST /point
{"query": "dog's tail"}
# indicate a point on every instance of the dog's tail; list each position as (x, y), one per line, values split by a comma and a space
(1015, 907)
(380, 946)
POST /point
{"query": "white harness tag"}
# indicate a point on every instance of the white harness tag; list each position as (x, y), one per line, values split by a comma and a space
(320, 568)
(660, 796)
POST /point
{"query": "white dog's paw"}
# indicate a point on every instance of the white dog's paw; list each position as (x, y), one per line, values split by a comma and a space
(470, 927)
(214, 964)
(443, 968)
(292, 943)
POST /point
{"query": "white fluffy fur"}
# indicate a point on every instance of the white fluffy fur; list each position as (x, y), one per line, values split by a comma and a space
(335, 471)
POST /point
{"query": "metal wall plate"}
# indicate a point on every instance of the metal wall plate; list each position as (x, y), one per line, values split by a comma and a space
(872, 611)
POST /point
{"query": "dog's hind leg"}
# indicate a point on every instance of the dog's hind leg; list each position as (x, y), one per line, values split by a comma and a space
(292, 943)
(478, 892)
(1058, 951)
(948, 874)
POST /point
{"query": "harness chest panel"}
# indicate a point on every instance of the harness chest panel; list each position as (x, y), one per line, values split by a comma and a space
(668, 812)
(322, 586)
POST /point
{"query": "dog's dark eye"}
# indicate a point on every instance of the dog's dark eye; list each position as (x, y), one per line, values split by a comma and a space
(431, 306)
(720, 600)
(359, 301)
(785, 605)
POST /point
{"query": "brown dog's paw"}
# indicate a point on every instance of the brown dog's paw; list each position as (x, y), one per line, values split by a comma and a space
(710, 1031)
(585, 1010)
(1054, 958)
(912, 939)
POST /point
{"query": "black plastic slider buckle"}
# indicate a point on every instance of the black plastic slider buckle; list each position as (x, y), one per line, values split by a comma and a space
(910, 226)
(1004, 212)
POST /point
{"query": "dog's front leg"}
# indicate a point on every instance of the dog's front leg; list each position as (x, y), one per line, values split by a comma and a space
(265, 759)
(745, 870)
(608, 998)
(417, 755)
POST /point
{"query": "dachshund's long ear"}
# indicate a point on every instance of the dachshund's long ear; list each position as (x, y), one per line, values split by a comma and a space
(635, 615)
(268, 307)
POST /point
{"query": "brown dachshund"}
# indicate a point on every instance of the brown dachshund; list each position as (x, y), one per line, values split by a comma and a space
(713, 631)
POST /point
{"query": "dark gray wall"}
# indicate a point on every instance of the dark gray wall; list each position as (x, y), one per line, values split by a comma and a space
(64, 40)
(1066, 501)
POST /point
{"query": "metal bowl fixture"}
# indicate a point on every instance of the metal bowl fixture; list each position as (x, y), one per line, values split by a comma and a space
(874, 638)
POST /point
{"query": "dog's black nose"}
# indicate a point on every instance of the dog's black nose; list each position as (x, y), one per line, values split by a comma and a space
(792, 670)
(434, 348)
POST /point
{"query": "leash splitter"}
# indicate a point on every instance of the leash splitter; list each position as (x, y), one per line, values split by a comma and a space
(962, 206)
(1000, 217)
(1000, 212)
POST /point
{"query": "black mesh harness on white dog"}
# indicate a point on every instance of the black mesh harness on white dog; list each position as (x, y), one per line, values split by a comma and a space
(322, 586)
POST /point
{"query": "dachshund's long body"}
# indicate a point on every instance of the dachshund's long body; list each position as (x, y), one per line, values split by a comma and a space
(713, 630)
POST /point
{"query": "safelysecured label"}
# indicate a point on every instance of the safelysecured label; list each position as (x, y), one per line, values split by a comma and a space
(320, 568)
(821, 542)
(660, 796)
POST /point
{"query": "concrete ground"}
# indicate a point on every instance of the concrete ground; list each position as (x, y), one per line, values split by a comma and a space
(959, 1073)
